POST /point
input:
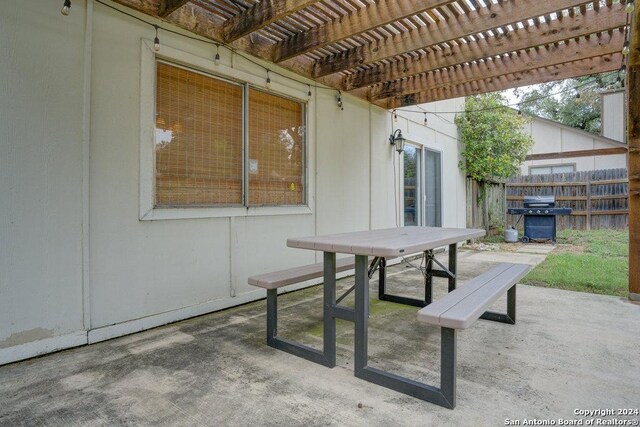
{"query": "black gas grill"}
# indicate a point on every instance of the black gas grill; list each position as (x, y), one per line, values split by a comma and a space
(539, 218)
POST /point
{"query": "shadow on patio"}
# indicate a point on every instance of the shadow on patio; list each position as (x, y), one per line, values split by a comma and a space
(568, 351)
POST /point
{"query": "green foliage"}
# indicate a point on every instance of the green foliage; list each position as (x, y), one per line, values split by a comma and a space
(557, 101)
(582, 273)
(495, 144)
(597, 262)
(604, 243)
(410, 161)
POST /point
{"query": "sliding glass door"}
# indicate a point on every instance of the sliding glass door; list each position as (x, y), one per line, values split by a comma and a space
(433, 188)
(422, 186)
(412, 185)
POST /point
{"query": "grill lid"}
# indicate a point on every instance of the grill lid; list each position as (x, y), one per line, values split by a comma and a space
(539, 201)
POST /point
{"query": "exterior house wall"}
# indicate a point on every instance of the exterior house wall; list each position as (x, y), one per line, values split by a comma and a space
(552, 137)
(77, 264)
(441, 135)
(41, 154)
(614, 115)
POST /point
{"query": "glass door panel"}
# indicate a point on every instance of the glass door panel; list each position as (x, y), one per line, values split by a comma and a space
(433, 188)
(412, 185)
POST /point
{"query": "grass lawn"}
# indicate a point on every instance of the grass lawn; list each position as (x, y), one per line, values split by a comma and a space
(595, 261)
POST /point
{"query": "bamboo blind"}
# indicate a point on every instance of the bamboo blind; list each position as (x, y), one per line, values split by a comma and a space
(276, 150)
(198, 139)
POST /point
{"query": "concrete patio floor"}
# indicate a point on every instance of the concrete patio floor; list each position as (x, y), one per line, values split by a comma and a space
(569, 351)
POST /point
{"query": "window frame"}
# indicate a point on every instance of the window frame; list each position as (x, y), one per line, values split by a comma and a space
(247, 151)
(551, 166)
(236, 72)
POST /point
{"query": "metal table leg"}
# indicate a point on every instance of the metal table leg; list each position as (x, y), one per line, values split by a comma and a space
(331, 310)
(448, 273)
(453, 257)
(329, 302)
(443, 396)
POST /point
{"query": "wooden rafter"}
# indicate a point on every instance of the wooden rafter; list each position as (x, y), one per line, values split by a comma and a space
(520, 62)
(199, 21)
(633, 159)
(483, 19)
(519, 39)
(416, 50)
(150, 7)
(600, 64)
(364, 19)
(167, 7)
(259, 16)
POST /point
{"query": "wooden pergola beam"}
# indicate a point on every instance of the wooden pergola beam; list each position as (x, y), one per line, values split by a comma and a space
(578, 153)
(569, 51)
(201, 22)
(366, 18)
(584, 67)
(260, 15)
(150, 7)
(167, 7)
(521, 38)
(633, 159)
(483, 19)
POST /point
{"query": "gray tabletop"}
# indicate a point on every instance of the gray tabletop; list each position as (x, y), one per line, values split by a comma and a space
(388, 242)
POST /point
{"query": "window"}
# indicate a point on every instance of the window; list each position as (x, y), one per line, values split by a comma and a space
(276, 154)
(545, 170)
(208, 153)
(198, 139)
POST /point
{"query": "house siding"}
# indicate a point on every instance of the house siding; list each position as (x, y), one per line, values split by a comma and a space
(550, 137)
(132, 274)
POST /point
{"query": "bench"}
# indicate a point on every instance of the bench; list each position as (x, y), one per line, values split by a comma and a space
(459, 309)
(277, 279)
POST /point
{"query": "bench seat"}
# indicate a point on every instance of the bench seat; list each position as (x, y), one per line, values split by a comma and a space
(277, 279)
(460, 308)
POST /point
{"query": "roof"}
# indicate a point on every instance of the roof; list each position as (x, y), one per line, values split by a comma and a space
(405, 52)
(582, 132)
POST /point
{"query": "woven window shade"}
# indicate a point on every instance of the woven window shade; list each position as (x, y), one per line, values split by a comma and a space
(198, 139)
(276, 150)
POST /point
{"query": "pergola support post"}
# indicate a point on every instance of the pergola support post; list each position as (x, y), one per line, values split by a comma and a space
(633, 157)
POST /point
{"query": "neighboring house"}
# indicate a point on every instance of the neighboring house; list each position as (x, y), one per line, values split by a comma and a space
(614, 124)
(116, 214)
(563, 149)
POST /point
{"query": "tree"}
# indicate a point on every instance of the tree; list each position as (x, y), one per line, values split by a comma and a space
(559, 101)
(495, 143)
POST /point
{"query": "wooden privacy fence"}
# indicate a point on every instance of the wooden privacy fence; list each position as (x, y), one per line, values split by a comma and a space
(486, 205)
(599, 199)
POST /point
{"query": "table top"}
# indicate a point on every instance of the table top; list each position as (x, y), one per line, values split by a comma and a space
(388, 242)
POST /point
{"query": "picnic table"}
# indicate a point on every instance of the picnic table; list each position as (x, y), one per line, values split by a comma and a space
(457, 310)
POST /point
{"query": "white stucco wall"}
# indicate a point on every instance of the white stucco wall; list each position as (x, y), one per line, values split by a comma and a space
(77, 264)
(441, 134)
(41, 75)
(550, 137)
(614, 115)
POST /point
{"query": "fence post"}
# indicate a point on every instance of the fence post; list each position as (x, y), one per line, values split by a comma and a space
(588, 202)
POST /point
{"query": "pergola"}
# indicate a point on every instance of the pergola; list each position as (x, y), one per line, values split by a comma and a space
(397, 53)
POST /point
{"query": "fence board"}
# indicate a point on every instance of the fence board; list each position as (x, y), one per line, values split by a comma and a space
(495, 205)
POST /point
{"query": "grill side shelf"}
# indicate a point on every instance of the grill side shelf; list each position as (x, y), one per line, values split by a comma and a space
(539, 211)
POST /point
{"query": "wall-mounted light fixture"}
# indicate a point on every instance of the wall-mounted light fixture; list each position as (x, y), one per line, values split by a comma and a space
(66, 8)
(396, 139)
